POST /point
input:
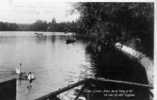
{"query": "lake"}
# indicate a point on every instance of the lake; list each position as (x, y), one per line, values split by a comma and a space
(54, 63)
(57, 64)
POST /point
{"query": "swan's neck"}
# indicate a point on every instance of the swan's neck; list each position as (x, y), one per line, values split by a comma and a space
(18, 70)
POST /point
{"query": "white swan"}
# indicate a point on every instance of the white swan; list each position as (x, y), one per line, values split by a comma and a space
(30, 76)
(18, 70)
(24, 75)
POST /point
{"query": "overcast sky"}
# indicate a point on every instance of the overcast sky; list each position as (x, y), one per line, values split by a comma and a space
(28, 11)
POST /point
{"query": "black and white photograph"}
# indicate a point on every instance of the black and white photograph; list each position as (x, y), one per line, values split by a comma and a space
(66, 50)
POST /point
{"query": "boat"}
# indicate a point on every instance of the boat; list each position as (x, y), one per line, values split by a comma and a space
(85, 93)
(39, 34)
(70, 41)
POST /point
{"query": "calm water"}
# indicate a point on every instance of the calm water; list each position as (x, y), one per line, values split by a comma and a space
(57, 64)
(54, 63)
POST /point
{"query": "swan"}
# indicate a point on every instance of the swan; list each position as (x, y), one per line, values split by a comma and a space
(18, 70)
(24, 75)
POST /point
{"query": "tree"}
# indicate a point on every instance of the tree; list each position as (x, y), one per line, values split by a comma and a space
(118, 21)
(39, 25)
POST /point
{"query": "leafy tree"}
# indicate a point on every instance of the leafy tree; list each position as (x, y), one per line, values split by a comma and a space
(118, 22)
(39, 25)
(4, 26)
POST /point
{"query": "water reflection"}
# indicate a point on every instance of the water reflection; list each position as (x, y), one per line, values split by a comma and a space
(54, 63)
(57, 64)
(113, 64)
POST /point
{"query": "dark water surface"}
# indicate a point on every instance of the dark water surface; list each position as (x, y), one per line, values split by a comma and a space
(54, 63)
(57, 64)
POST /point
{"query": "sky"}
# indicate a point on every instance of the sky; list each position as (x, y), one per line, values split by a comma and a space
(28, 11)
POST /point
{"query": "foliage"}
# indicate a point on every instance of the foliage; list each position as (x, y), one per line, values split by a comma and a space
(62, 27)
(118, 22)
(4, 26)
(39, 25)
(52, 26)
(130, 23)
